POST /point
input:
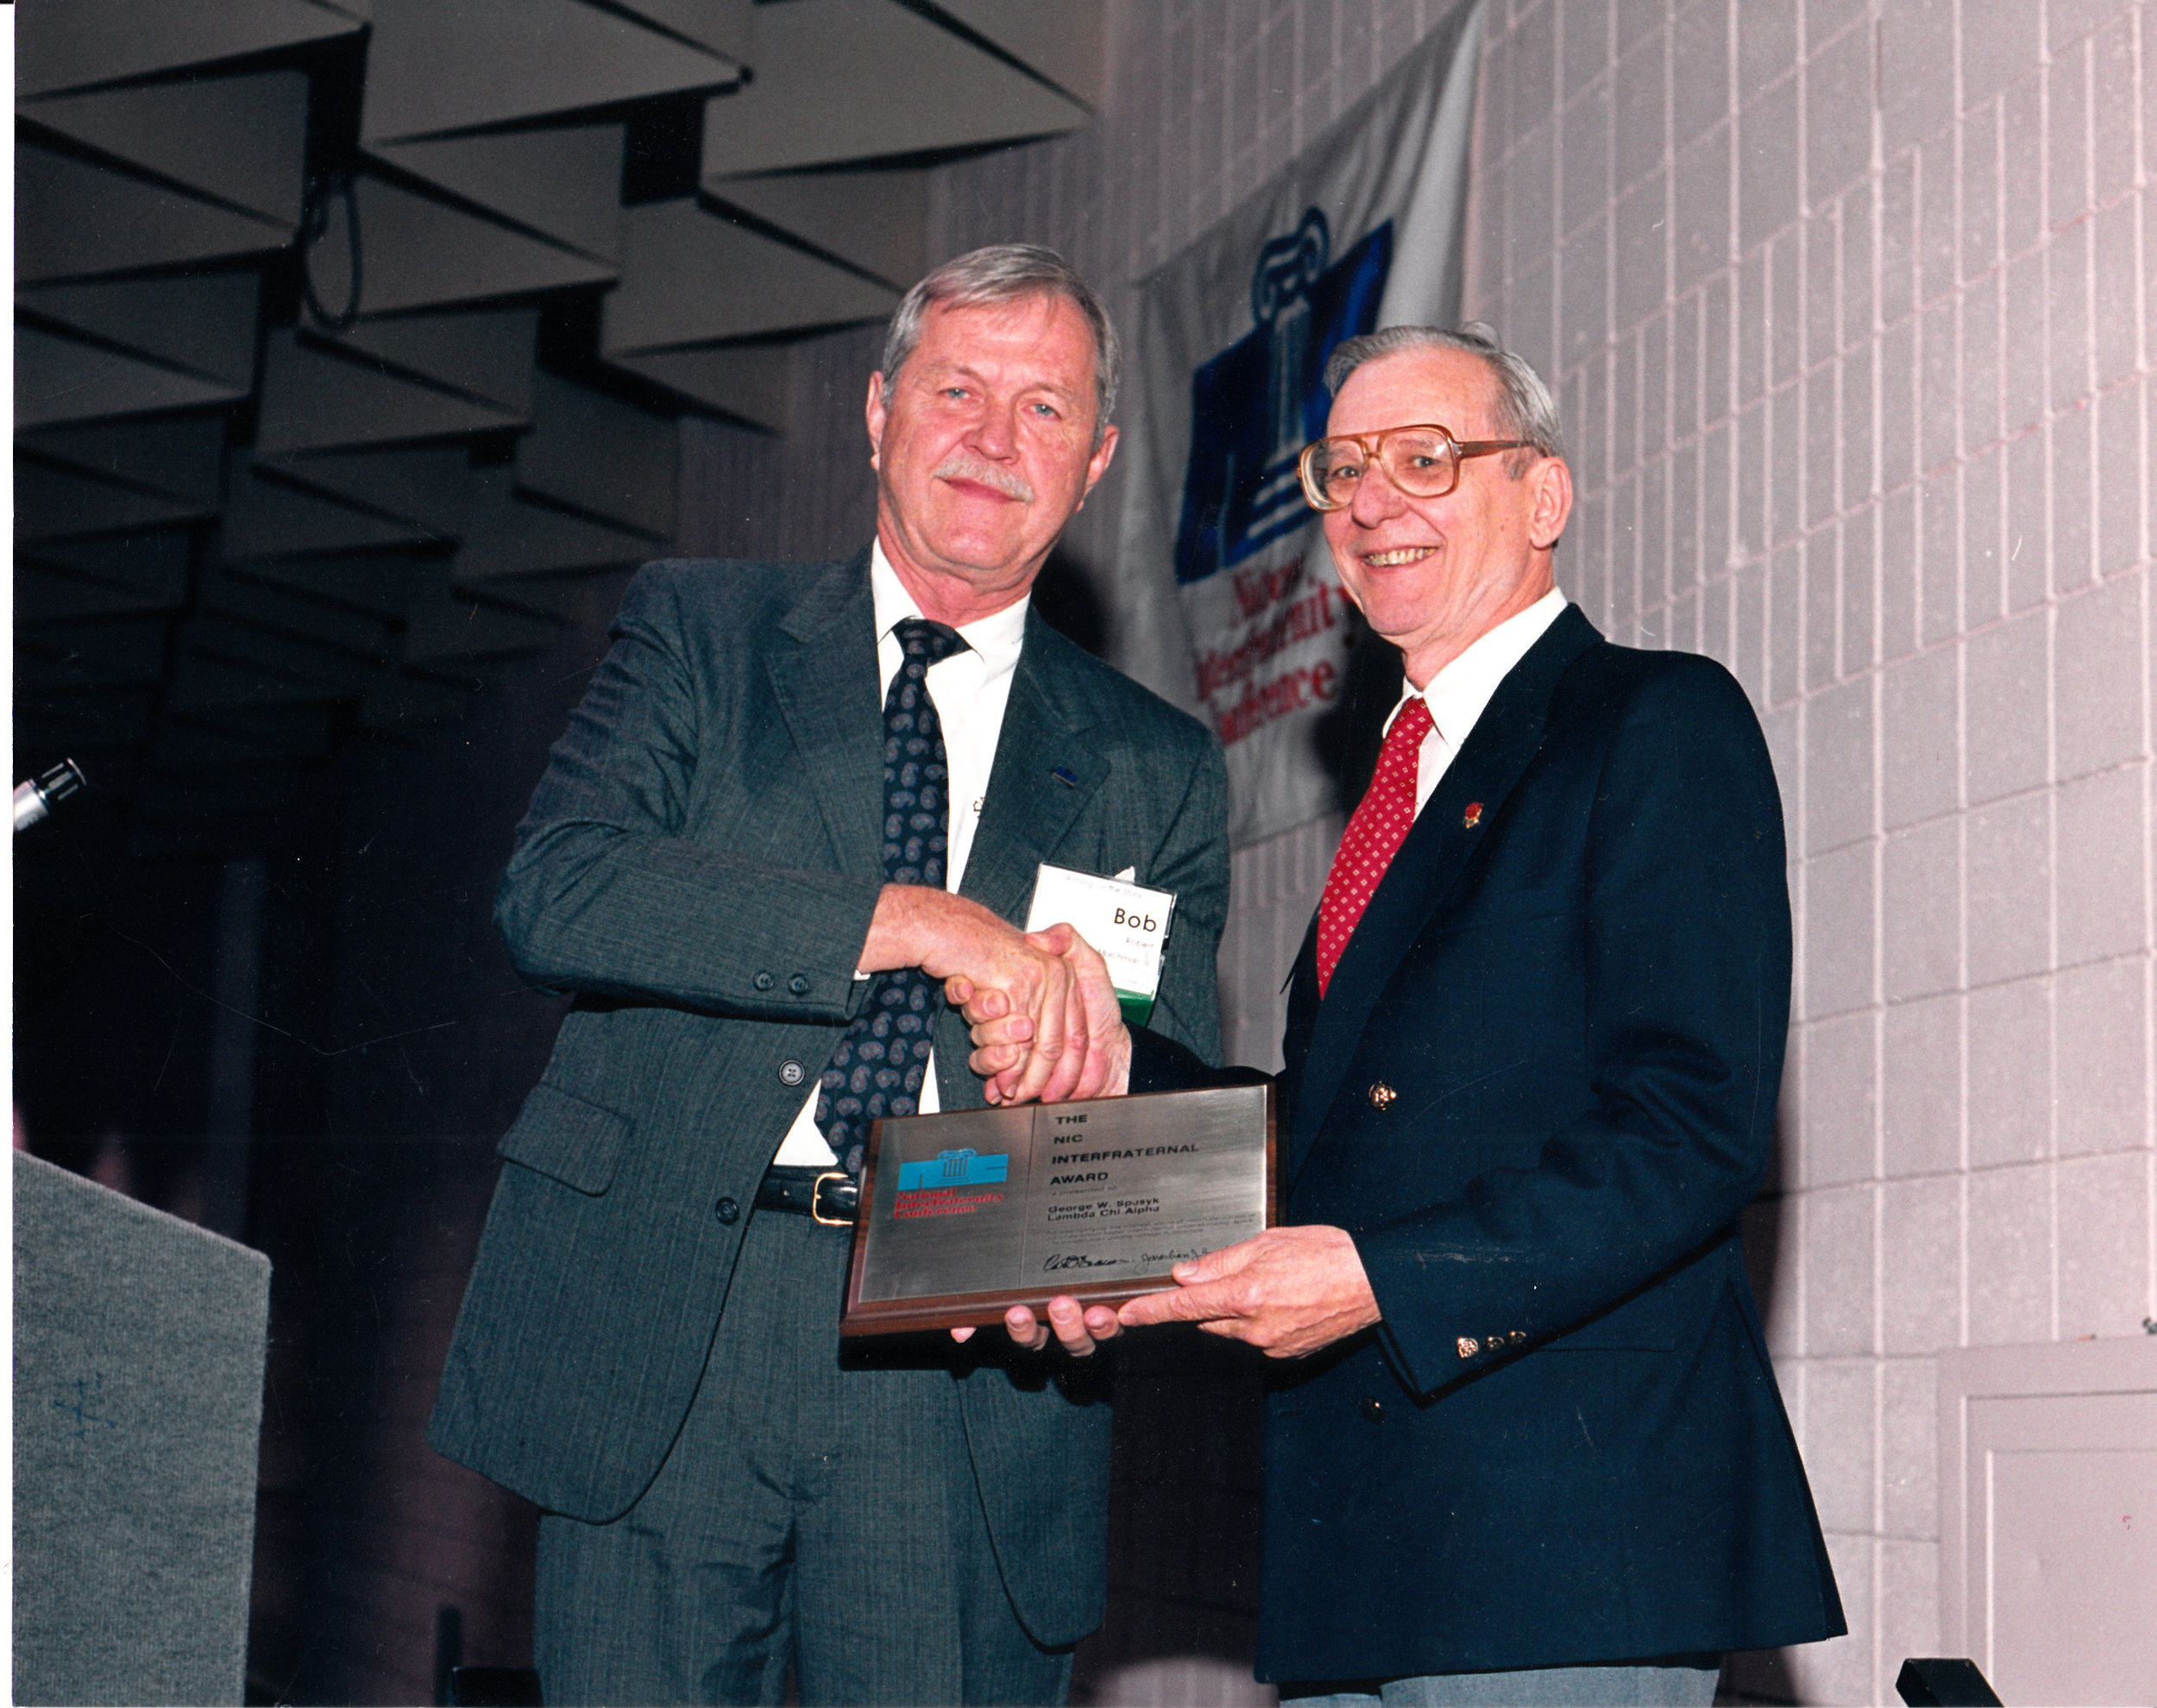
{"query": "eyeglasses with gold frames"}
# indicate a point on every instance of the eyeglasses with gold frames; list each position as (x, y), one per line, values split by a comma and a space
(1422, 461)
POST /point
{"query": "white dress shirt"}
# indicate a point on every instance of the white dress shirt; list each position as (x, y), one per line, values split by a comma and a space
(1455, 697)
(969, 689)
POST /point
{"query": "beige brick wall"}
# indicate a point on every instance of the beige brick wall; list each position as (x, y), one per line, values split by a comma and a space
(1851, 311)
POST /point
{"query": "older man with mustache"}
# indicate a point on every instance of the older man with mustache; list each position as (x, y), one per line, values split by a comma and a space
(796, 798)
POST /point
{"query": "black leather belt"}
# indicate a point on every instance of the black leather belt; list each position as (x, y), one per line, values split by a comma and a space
(825, 1195)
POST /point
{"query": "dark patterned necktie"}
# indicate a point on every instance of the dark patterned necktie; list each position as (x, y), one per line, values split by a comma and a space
(878, 1068)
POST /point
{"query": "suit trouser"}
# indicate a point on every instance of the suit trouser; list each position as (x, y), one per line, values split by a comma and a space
(806, 1513)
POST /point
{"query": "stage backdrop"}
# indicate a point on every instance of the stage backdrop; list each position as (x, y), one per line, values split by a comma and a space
(1231, 604)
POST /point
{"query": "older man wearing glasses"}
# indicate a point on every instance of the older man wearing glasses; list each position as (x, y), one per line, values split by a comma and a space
(1524, 1444)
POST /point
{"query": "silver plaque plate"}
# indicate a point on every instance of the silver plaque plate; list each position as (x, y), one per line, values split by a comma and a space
(968, 1214)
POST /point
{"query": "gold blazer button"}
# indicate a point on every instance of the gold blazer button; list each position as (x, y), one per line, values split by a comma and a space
(1467, 1346)
(1382, 1096)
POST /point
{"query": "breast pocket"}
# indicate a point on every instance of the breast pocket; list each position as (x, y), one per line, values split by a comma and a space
(567, 1139)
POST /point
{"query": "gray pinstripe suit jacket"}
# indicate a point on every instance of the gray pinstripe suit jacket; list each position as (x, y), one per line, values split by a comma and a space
(699, 864)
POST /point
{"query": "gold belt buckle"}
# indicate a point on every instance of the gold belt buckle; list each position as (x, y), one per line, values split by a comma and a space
(815, 1187)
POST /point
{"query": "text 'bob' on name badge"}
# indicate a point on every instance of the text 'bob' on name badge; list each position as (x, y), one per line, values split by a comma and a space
(1126, 922)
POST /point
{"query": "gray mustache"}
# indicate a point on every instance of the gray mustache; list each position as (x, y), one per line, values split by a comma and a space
(959, 465)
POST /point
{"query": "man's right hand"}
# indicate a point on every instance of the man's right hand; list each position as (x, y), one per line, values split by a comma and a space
(960, 941)
(1003, 1035)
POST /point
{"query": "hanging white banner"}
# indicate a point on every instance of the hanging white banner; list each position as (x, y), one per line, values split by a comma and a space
(1230, 603)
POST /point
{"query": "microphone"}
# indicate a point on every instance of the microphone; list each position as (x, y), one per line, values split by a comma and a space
(34, 799)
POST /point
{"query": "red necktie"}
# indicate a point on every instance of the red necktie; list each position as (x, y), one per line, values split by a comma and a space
(1383, 818)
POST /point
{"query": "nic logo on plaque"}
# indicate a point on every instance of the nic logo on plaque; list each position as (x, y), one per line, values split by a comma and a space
(941, 1173)
(967, 1213)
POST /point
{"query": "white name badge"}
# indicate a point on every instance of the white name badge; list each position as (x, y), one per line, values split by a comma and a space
(1126, 922)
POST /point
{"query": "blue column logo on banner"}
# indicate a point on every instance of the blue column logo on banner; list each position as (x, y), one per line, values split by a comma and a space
(1257, 404)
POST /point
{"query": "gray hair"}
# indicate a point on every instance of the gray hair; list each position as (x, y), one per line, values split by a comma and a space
(1523, 408)
(1003, 272)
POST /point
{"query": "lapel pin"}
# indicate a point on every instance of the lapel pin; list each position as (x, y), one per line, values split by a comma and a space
(1065, 776)
(1473, 816)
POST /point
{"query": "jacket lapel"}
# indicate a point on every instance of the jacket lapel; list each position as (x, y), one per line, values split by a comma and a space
(822, 664)
(1425, 870)
(1045, 773)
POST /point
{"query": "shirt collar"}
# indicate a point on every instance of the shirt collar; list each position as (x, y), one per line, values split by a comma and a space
(1455, 697)
(997, 638)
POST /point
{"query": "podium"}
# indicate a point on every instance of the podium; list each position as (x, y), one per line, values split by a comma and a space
(139, 1348)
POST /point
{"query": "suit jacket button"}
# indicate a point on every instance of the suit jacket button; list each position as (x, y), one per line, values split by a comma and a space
(1518, 1337)
(761, 981)
(792, 1073)
(1382, 1096)
(798, 985)
(728, 1211)
(1372, 1409)
(1466, 1346)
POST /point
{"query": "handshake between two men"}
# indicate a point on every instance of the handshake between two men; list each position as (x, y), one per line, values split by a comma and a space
(1046, 1026)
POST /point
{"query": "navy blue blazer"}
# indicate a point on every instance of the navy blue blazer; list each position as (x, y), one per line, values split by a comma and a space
(1539, 1091)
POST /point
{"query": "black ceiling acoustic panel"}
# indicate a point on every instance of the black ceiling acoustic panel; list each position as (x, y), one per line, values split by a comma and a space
(351, 336)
